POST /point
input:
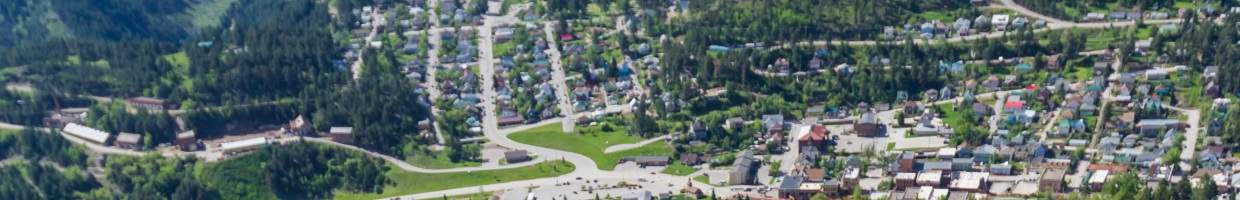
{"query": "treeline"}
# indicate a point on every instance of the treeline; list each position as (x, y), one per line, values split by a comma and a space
(35, 153)
(212, 123)
(294, 171)
(304, 171)
(29, 108)
(35, 146)
(24, 22)
(272, 49)
(383, 107)
(1057, 8)
(46, 182)
(117, 20)
(269, 50)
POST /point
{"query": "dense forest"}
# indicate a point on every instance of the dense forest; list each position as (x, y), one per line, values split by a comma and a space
(24, 22)
(293, 171)
(46, 167)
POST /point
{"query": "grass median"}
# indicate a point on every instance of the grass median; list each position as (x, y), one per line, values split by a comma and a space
(590, 143)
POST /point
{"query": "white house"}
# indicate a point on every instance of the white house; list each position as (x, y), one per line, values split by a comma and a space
(1000, 22)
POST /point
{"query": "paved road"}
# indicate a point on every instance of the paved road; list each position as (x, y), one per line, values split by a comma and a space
(558, 77)
(376, 16)
(1189, 149)
(1009, 4)
(622, 147)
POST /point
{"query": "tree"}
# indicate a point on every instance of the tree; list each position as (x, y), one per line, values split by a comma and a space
(1207, 191)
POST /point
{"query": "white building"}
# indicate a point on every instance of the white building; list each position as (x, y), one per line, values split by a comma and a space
(243, 145)
(90, 134)
(1000, 22)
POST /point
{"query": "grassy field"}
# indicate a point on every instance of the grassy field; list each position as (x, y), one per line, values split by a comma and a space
(413, 183)
(589, 143)
(239, 178)
(504, 48)
(437, 160)
(955, 118)
(678, 169)
(207, 13)
(474, 196)
(703, 178)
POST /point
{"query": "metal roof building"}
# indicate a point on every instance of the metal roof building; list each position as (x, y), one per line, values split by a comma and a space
(88, 133)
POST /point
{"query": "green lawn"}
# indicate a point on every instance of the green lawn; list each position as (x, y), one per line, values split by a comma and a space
(238, 178)
(1083, 72)
(678, 169)
(589, 143)
(594, 9)
(413, 183)
(437, 160)
(178, 59)
(937, 15)
(955, 118)
(504, 48)
(704, 179)
(474, 196)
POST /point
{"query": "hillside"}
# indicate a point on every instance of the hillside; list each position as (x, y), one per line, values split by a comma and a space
(30, 21)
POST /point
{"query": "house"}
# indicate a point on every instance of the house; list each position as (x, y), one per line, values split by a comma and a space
(984, 153)
(516, 156)
(697, 130)
(1001, 169)
(868, 126)
(1153, 127)
(937, 165)
(690, 159)
(735, 123)
(908, 162)
(1000, 22)
(1053, 62)
(149, 103)
(509, 117)
(128, 141)
(906, 180)
(503, 34)
(1052, 180)
(743, 169)
(187, 141)
(90, 134)
(1098, 179)
(1156, 74)
(774, 123)
(1093, 16)
(341, 134)
(932, 178)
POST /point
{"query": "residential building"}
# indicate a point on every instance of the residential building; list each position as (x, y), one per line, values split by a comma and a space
(128, 141)
(341, 134)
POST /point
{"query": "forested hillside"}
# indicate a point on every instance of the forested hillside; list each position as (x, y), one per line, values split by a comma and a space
(33, 21)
